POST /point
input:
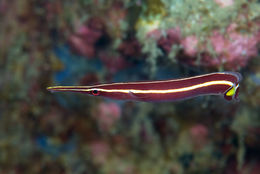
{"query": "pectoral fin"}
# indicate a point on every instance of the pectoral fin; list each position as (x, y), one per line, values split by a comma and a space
(136, 96)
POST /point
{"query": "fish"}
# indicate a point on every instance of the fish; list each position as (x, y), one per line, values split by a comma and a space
(218, 83)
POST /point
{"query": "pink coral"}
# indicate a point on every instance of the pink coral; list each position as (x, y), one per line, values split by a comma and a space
(99, 151)
(130, 48)
(232, 49)
(156, 34)
(107, 114)
(224, 3)
(53, 9)
(199, 135)
(113, 63)
(115, 15)
(173, 37)
(84, 40)
(190, 45)
(81, 47)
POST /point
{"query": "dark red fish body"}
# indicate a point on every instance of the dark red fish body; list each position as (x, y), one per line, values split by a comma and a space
(222, 83)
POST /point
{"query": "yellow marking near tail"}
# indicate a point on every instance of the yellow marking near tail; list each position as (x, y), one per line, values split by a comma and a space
(231, 92)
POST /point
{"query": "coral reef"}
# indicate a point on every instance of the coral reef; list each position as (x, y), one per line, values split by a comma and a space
(211, 34)
(85, 42)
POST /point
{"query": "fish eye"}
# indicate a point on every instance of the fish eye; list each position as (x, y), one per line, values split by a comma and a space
(95, 92)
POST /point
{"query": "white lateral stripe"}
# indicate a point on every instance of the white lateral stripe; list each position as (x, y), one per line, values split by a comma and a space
(136, 91)
(147, 82)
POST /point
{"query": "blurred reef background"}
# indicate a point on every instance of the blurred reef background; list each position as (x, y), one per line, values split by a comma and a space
(62, 42)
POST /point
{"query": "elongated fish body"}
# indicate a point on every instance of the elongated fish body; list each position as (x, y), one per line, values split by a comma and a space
(220, 83)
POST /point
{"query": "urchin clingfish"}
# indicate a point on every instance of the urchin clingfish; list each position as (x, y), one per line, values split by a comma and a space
(219, 83)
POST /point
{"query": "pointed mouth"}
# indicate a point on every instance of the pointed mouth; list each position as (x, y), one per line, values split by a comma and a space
(50, 88)
(56, 88)
(66, 88)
